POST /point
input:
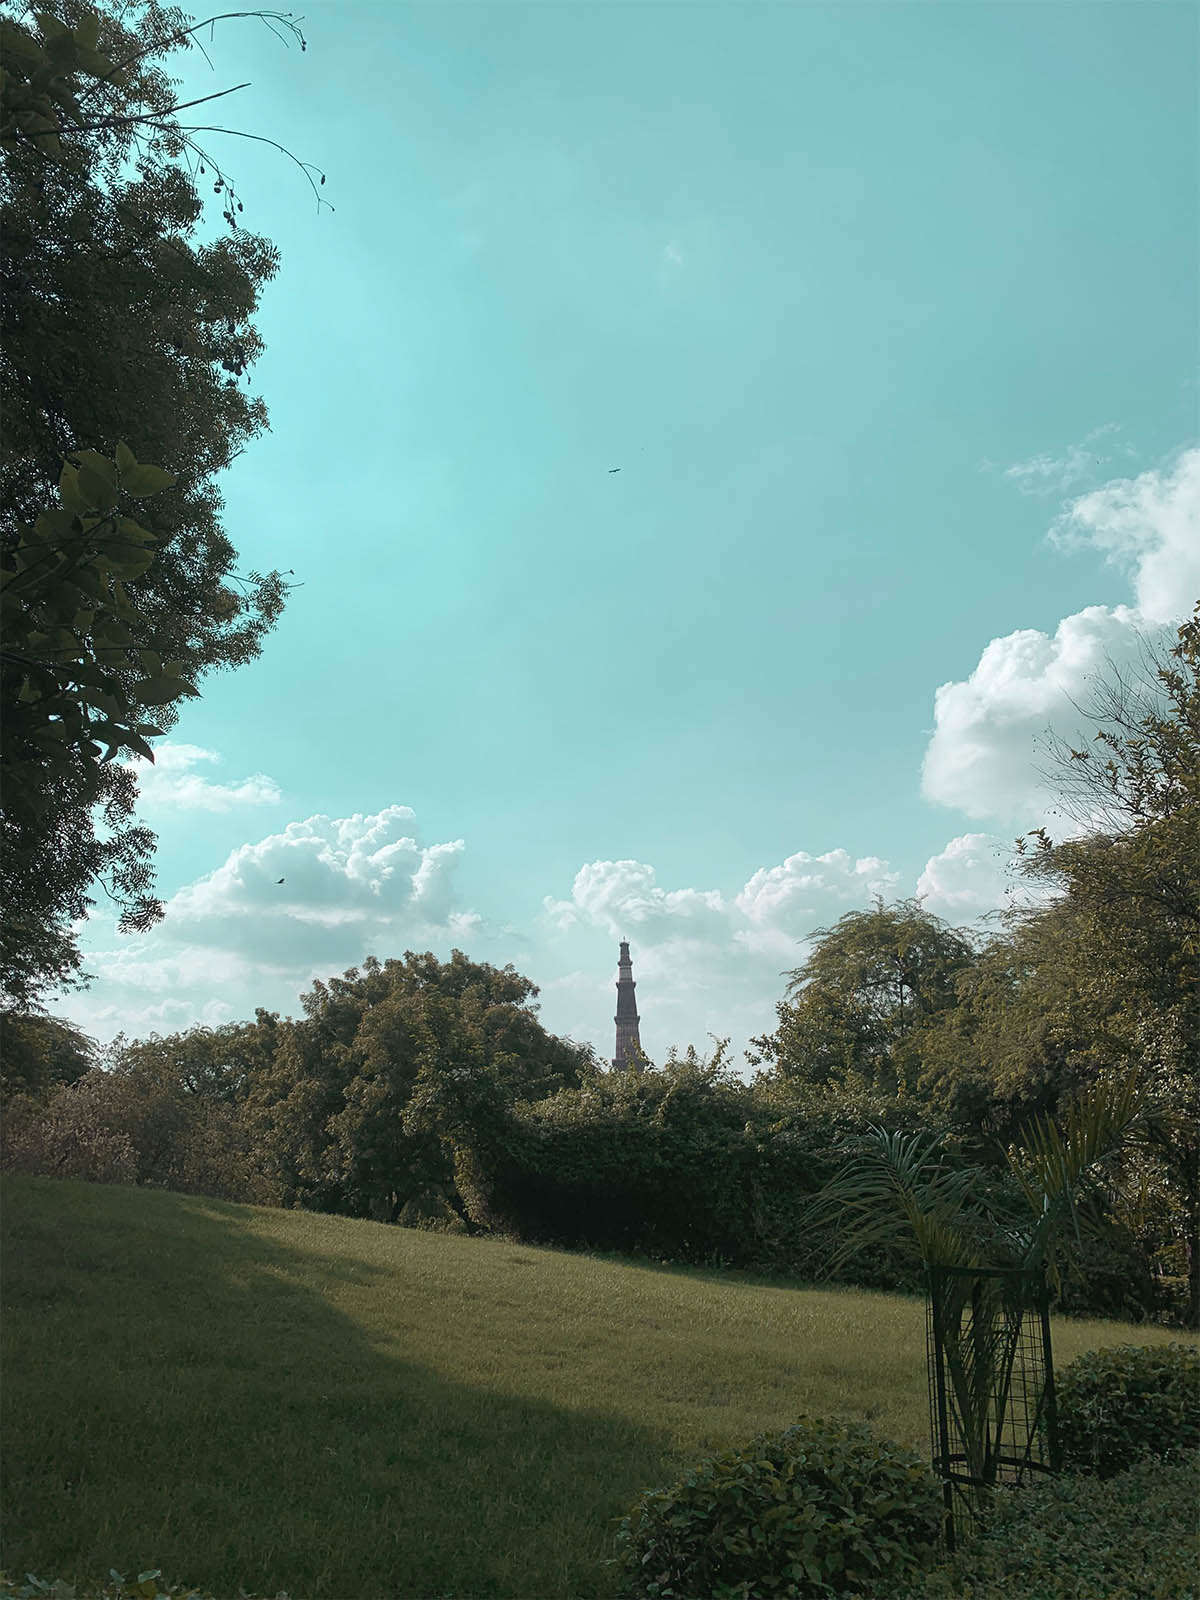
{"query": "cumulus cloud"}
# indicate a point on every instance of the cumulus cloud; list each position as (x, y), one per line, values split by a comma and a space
(1149, 526)
(351, 887)
(983, 755)
(712, 960)
(170, 782)
(622, 895)
(782, 905)
(971, 876)
(327, 880)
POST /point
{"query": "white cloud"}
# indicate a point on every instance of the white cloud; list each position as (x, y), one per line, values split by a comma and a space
(708, 962)
(324, 882)
(1149, 526)
(983, 756)
(781, 905)
(971, 876)
(352, 886)
(621, 896)
(1047, 474)
(711, 961)
(170, 783)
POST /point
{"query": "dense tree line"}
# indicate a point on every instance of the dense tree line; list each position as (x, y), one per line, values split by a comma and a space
(429, 1093)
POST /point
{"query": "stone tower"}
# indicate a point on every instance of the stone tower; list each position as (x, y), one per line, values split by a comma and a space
(629, 1046)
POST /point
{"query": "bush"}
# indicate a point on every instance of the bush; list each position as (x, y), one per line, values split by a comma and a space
(824, 1508)
(149, 1585)
(122, 1127)
(1129, 1537)
(1119, 1404)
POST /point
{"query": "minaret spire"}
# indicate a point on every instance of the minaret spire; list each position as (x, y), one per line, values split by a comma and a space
(628, 1056)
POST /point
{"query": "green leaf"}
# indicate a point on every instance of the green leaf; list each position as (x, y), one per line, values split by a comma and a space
(134, 741)
(128, 560)
(144, 481)
(96, 490)
(160, 691)
(134, 532)
(68, 489)
(126, 460)
(89, 581)
(112, 634)
(95, 462)
(87, 32)
(112, 705)
(55, 525)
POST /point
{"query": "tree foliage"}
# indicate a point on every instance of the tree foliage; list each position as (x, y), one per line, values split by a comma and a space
(1025, 1099)
(376, 1103)
(857, 1010)
(38, 1053)
(122, 329)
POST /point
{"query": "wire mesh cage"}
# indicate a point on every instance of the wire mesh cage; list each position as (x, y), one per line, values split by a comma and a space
(991, 1384)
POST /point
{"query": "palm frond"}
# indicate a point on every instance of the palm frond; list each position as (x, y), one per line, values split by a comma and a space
(899, 1190)
(1060, 1165)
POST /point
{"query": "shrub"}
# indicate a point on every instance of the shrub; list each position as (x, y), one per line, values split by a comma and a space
(121, 1127)
(1129, 1537)
(824, 1508)
(149, 1585)
(1119, 1404)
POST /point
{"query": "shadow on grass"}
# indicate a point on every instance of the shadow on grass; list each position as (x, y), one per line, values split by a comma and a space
(183, 1392)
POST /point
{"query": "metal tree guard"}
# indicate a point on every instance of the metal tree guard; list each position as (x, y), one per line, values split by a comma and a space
(991, 1383)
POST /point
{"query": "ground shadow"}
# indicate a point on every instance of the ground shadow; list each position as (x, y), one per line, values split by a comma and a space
(182, 1393)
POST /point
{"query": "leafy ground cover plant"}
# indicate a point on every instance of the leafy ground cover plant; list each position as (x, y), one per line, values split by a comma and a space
(1134, 1536)
(824, 1508)
(147, 1585)
(1118, 1404)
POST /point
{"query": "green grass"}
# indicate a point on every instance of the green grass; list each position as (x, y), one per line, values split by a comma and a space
(262, 1399)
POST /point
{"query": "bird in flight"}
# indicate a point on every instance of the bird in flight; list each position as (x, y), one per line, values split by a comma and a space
(611, 470)
(279, 880)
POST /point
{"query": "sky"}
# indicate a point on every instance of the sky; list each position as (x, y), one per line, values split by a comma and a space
(887, 317)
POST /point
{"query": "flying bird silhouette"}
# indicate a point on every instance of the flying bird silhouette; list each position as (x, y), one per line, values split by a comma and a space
(278, 880)
(611, 470)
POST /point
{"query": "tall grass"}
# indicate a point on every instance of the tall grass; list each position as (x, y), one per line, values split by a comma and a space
(266, 1400)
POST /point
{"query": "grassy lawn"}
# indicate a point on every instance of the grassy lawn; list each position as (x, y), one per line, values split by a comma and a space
(269, 1400)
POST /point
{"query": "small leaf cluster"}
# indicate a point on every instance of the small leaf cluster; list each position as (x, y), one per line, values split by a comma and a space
(148, 1585)
(1130, 1537)
(824, 1508)
(77, 669)
(1124, 1402)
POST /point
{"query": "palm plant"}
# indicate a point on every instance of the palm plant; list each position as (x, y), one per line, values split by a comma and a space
(903, 1191)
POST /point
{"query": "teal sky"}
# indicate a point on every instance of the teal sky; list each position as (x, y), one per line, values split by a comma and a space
(863, 300)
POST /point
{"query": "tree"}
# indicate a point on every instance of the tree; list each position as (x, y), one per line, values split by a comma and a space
(118, 326)
(376, 1102)
(1131, 882)
(37, 1053)
(221, 1063)
(1102, 977)
(70, 637)
(856, 1010)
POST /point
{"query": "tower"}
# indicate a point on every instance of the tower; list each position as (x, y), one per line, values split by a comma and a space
(629, 1046)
